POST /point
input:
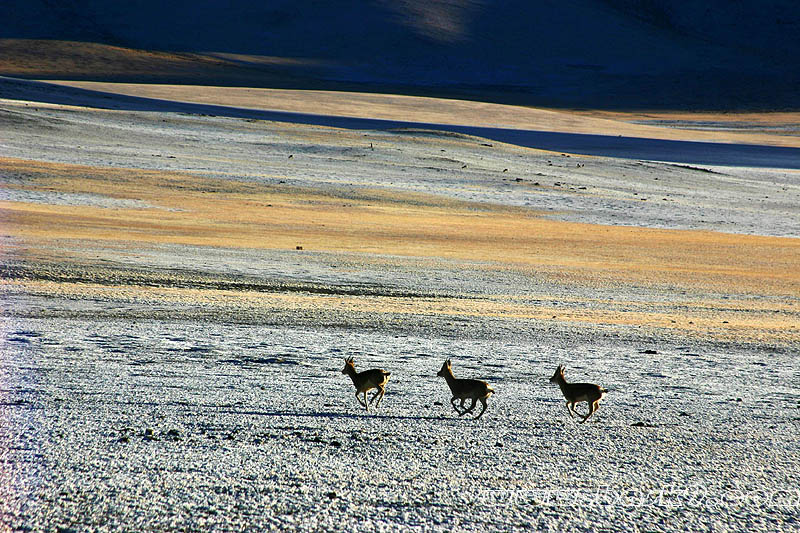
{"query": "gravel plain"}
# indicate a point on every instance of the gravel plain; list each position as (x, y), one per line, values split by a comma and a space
(154, 382)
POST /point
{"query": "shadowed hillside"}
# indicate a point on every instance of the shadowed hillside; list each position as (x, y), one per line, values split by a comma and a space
(584, 53)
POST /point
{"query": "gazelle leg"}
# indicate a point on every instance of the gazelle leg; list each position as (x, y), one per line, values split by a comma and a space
(366, 405)
(453, 403)
(377, 392)
(569, 409)
(359, 398)
(464, 410)
(483, 401)
(379, 396)
(471, 406)
(592, 409)
(380, 399)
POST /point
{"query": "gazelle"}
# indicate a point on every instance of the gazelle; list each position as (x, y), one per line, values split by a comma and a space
(465, 389)
(375, 378)
(578, 392)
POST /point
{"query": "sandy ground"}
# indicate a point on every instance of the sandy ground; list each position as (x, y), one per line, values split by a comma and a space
(179, 293)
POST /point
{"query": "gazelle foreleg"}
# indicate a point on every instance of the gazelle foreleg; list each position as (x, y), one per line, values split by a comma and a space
(471, 406)
(453, 403)
(379, 395)
(359, 398)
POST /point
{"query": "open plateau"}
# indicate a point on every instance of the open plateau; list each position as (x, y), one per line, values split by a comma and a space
(185, 269)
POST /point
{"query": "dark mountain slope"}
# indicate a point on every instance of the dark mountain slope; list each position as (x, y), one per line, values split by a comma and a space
(594, 53)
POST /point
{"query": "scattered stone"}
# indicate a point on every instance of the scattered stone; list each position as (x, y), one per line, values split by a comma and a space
(331, 495)
(298, 247)
(336, 444)
(642, 425)
(649, 352)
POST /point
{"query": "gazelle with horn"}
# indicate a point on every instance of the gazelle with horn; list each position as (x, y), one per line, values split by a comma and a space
(578, 392)
(465, 389)
(375, 378)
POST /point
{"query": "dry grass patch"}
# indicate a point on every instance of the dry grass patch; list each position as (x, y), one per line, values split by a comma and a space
(197, 211)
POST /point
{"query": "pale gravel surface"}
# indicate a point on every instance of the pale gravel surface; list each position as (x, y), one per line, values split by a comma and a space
(255, 427)
(121, 414)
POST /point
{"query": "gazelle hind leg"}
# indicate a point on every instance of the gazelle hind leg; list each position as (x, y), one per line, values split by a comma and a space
(483, 401)
(592, 409)
(377, 392)
(379, 395)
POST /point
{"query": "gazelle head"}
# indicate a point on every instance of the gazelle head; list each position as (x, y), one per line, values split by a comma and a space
(445, 370)
(348, 364)
(558, 375)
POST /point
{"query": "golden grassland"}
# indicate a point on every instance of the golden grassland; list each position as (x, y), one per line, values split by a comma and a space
(758, 276)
